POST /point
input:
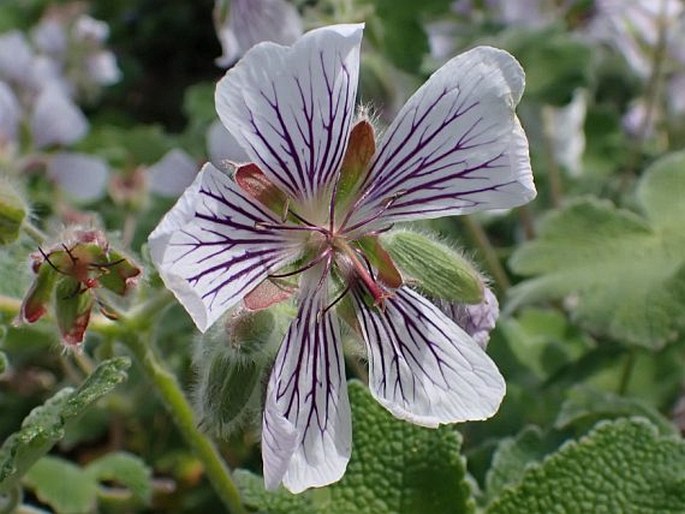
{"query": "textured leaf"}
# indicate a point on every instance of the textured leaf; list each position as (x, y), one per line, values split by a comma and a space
(621, 466)
(45, 425)
(626, 272)
(125, 469)
(278, 502)
(62, 485)
(586, 405)
(397, 467)
(513, 455)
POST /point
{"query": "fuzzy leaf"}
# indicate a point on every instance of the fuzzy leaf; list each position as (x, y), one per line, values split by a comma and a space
(125, 469)
(45, 425)
(399, 467)
(626, 272)
(62, 485)
(278, 502)
(585, 405)
(621, 466)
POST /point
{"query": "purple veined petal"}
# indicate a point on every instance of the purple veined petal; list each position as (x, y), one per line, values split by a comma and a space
(456, 146)
(307, 432)
(15, 57)
(223, 148)
(424, 368)
(10, 114)
(172, 174)
(56, 119)
(291, 108)
(211, 249)
(82, 176)
(252, 21)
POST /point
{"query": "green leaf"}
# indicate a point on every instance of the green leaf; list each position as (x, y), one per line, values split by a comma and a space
(586, 405)
(395, 468)
(45, 425)
(399, 467)
(62, 485)
(125, 469)
(278, 502)
(514, 455)
(622, 466)
(3, 360)
(626, 272)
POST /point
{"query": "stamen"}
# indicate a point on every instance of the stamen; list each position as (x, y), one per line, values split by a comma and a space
(334, 302)
(309, 265)
(374, 217)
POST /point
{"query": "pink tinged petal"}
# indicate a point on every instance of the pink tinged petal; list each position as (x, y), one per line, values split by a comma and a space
(82, 176)
(211, 249)
(477, 320)
(307, 433)
(172, 174)
(56, 119)
(291, 108)
(222, 147)
(252, 21)
(456, 147)
(15, 57)
(422, 367)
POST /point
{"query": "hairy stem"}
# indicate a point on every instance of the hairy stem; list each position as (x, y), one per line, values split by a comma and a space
(488, 252)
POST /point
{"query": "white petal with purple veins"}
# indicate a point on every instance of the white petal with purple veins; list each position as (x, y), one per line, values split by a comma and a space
(172, 174)
(307, 433)
(291, 108)
(456, 147)
(212, 248)
(56, 119)
(83, 176)
(423, 367)
(252, 21)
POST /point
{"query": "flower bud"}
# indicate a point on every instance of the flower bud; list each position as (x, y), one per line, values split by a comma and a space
(36, 300)
(12, 213)
(72, 309)
(437, 269)
(230, 366)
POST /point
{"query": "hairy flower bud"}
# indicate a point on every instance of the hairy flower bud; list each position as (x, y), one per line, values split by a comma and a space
(72, 309)
(230, 365)
(437, 269)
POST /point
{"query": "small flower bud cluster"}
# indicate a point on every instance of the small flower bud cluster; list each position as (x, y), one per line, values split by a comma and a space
(67, 278)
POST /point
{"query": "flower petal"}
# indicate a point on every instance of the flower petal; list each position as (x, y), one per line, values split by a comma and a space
(423, 367)
(456, 146)
(56, 119)
(222, 147)
(291, 108)
(83, 176)
(211, 249)
(172, 174)
(307, 434)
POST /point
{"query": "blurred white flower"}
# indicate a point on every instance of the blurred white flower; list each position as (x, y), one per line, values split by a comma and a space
(102, 68)
(56, 119)
(87, 28)
(223, 148)
(16, 57)
(83, 177)
(564, 127)
(243, 23)
(172, 174)
(10, 114)
(50, 37)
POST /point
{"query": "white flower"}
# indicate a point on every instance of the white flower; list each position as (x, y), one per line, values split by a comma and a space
(172, 174)
(83, 177)
(564, 126)
(248, 22)
(10, 114)
(56, 119)
(308, 206)
(16, 57)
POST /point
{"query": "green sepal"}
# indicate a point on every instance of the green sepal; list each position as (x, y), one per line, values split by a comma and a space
(13, 211)
(361, 146)
(72, 309)
(118, 273)
(437, 269)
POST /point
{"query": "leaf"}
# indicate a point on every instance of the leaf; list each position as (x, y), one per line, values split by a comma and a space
(513, 455)
(395, 468)
(625, 272)
(125, 469)
(621, 466)
(279, 502)
(586, 405)
(62, 485)
(398, 467)
(45, 425)
(3, 358)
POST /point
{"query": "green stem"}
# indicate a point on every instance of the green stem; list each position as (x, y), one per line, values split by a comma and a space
(627, 372)
(10, 499)
(34, 232)
(177, 404)
(492, 261)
